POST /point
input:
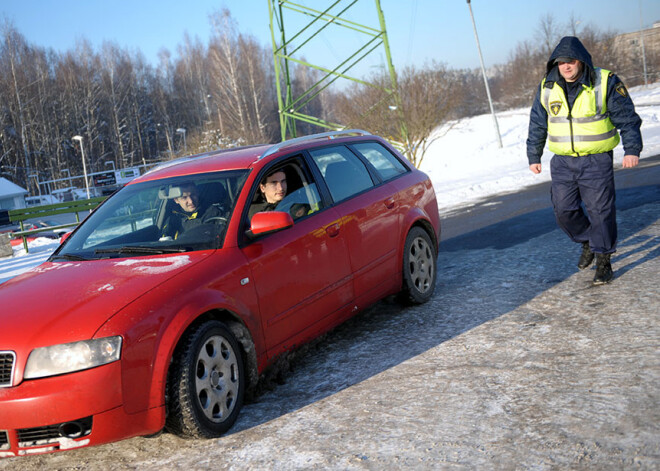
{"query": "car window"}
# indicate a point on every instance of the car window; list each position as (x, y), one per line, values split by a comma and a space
(344, 174)
(301, 197)
(386, 164)
(137, 212)
(301, 202)
(156, 216)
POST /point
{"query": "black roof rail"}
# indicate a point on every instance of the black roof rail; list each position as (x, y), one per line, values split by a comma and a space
(324, 135)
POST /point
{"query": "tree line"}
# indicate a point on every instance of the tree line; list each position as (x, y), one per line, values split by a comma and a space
(222, 94)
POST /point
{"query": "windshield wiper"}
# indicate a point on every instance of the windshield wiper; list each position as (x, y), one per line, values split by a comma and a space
(133, 249)
(68, 256)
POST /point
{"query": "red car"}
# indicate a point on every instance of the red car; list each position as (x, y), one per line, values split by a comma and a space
(167, 303)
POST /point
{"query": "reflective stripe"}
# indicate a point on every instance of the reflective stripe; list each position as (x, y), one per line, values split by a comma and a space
(588, 119)
(598, 92)
(586, 128)
(546, 96)
(591, 119)
(598, 137)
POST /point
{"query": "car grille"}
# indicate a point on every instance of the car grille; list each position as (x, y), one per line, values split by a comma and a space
(52, 433)
(4, 440)
(6, 368)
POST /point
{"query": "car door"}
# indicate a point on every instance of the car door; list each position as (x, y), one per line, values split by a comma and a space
(302, 274)
(369, 219)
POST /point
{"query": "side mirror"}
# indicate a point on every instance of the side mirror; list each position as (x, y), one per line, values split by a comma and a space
(64, 237)
(270, 221)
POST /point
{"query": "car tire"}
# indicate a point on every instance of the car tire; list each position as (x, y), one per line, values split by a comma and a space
(419, 267)
(206, 384)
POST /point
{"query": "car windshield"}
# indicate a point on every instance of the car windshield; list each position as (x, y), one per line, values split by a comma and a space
(162, 216)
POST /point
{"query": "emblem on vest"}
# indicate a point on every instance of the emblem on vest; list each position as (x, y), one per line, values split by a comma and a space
(555, 106)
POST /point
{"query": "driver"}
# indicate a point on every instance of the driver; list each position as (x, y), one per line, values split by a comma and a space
(189, 213)
(273, 188)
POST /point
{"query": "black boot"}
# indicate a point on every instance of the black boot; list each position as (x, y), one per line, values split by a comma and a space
(586, 258)
(604, 272)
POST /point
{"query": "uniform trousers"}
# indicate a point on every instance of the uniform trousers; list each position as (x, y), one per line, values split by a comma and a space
(583, 198)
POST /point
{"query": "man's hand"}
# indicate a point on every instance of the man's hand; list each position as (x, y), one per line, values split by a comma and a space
(630, 161)
(536, 168)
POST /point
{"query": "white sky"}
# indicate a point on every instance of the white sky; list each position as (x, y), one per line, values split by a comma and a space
(465, 164)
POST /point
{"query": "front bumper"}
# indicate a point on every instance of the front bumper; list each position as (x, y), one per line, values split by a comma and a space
(69, 411)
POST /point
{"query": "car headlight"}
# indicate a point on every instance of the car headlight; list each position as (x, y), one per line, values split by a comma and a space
(70, 357)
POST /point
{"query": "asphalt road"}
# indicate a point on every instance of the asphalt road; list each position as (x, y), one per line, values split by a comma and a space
(517, 362)
(463, 219)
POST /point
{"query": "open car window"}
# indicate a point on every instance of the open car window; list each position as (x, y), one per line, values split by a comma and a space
(302, 196)
(148, 218)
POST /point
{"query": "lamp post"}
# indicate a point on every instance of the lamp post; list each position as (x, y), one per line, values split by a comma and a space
(183, 131)
(483, 72)
(641, 41)
(82, 153)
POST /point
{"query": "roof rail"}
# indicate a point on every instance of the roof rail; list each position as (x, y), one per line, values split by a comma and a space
(311, 137)
(188, 158)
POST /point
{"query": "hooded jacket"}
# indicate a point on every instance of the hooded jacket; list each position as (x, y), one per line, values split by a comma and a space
(618, 102)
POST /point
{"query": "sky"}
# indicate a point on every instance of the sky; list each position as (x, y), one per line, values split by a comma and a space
(419, 31)
(482, 169)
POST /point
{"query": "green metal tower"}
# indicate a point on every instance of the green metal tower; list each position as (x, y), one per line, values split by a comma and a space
(289, 48)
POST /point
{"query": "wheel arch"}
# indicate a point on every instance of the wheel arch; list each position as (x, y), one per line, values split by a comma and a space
(238, 329)
(417, 218)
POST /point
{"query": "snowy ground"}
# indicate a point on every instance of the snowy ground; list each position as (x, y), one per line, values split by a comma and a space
(465, 164)
(518, 362)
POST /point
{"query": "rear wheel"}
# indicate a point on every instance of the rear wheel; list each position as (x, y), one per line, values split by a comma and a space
(419, 260)
(206, 383)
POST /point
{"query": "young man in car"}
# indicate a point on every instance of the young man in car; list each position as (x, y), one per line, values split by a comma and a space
(273, 189)
(189, 213)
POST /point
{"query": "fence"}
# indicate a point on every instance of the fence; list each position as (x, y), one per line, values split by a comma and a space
(77, 207)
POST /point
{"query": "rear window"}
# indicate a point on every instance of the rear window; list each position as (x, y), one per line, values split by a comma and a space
(386, 164)
(343, 172)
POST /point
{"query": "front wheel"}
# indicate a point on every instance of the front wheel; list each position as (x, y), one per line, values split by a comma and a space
(419, 259)
(206, 383)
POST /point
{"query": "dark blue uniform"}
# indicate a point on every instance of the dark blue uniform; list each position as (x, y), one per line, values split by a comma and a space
(587, 179)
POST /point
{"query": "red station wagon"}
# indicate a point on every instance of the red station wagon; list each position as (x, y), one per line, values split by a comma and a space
(168, 302)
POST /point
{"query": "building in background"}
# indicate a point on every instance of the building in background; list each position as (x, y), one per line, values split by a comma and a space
(12, 196)
(630, 45)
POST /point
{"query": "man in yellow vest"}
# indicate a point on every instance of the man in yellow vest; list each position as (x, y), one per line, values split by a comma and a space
(579, 108)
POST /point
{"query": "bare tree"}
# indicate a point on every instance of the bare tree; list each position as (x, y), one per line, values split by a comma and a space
(240, 82)
(428, 98)
(550, 32)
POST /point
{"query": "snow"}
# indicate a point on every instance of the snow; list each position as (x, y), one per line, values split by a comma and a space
(156, 266)
(464, 162)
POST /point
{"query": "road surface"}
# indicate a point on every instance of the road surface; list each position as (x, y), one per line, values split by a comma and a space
(518, 362)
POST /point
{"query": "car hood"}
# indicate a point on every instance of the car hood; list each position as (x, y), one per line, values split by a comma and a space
(59, 302)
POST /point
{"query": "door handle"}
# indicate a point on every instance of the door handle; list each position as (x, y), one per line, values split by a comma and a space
(332, 230)
(389, 203)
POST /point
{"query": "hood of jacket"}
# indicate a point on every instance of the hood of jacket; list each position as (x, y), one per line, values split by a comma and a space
(570, 46)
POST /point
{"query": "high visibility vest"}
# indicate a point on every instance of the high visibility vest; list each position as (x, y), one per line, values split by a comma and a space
(585, 129)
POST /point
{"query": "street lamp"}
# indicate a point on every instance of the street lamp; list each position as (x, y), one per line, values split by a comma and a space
(82, 153)
(483, 72)
(183, 131)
